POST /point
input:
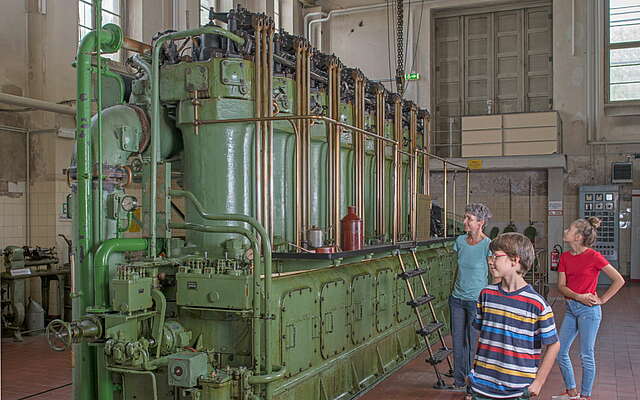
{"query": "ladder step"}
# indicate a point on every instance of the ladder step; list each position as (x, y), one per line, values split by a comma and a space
(429, 328)
(439, 356)
(420, 300)
(412, 273)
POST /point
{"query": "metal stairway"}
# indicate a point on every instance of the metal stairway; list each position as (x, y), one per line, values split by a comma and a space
(426, 329)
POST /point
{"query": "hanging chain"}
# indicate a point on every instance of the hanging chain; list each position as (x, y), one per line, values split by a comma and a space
(399, 49)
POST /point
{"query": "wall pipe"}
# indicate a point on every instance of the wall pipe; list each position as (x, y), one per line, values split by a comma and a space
(7, 98)
(155, 111)
(344, 11)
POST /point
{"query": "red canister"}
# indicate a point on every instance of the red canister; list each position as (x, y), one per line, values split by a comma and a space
(352, 231)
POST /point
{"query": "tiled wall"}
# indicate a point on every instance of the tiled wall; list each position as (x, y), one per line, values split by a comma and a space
(13, 211)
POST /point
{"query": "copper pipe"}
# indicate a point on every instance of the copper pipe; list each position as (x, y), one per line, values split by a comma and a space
(259, 197)
(413, 132)
(269, 110)
(468, 185)
(444, 191)
(335, 131)
(380, 165)
(135, 46)
(266, 95)
(397, 135)
(453, 200)
(425, 167)
(358, 145)
(299, 117)
(299, 145)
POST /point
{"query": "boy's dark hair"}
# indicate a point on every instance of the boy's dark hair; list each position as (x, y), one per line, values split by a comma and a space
(515, 244)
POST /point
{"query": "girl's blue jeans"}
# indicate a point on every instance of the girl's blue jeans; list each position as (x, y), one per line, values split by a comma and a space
(584, 321)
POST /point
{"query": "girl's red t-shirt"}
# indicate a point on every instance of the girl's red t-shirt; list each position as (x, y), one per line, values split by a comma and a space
(582, 270)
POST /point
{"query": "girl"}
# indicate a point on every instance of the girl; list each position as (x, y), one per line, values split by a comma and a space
(577, 280)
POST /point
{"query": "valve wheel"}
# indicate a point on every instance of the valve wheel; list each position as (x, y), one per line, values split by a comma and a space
(59, 335)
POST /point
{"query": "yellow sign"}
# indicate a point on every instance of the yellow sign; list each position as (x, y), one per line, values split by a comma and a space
(135, 227)
(474, 164)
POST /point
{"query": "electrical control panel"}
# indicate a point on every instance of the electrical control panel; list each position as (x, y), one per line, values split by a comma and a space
(602, 201)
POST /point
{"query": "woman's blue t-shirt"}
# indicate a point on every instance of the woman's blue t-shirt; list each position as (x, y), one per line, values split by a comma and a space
(473, 270)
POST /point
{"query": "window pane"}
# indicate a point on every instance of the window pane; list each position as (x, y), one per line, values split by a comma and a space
(111, 5)
(624, 74)
(85, 17)
(82, 31)
(204, 10)
(110, 19)
(624, 21)
(629, 91)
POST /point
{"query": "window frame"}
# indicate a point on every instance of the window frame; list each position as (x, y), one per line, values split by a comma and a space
(122, 16)
(525, 90)
(608, 46)
(201, 8)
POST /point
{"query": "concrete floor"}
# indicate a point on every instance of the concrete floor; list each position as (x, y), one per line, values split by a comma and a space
(31, 371)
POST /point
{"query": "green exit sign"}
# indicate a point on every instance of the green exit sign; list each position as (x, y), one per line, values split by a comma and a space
(414, 76)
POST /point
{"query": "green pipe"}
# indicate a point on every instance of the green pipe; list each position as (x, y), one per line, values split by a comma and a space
(101, 263)
(110, 40)
(97, 12)
(256, 271)
(155, 110)
(117, 77)
(105, 384)
(158, 323)
(266, 249)
(265, 379)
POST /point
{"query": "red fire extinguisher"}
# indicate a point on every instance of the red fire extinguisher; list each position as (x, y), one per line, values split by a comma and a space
(555, 257)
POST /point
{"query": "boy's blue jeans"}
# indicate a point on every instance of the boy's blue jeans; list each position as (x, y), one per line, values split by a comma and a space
(585, 321)
(464, 337)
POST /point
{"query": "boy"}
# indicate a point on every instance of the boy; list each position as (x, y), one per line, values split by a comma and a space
(514, 323)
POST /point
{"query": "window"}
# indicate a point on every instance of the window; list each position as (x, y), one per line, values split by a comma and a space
(276, 14)
(205, 5)
(489, 61)
(111, 13)
(623, 50)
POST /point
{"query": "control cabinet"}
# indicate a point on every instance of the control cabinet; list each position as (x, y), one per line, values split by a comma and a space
(602, 201)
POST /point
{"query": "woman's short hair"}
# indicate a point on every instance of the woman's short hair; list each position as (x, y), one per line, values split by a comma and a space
(478, 210)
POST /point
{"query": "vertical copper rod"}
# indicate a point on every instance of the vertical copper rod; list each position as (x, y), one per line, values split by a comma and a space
(413, 132)
(269, 109)
(453, 201)
(380, 165)
(336, 148)
(266, 96)
(444, 191)
(358, 144)
(298, 156)
(259, 195)
(398, 136)
(468, 186)
(427, 146)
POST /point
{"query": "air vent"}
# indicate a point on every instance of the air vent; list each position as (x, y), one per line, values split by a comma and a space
(621, 172)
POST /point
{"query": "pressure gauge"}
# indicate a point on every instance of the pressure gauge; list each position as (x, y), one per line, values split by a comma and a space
(129, 203)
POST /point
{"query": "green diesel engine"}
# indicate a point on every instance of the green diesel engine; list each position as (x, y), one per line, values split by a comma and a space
(236, 155)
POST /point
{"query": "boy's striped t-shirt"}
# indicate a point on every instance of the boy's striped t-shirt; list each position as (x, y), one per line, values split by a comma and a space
(513, 328)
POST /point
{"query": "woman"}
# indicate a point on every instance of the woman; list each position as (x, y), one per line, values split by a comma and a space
(577, 280)
(471, 278)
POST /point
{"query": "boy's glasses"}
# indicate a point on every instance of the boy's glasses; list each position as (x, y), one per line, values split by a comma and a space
(493, 257)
